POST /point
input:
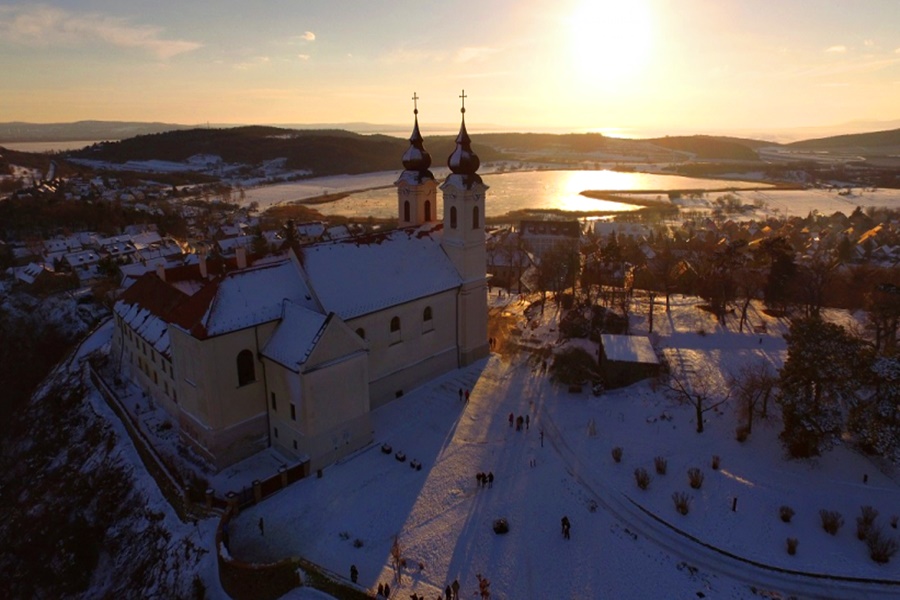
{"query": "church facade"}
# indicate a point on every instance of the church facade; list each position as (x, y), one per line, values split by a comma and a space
(296, 351)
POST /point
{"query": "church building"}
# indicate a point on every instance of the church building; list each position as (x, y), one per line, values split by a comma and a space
(296, 351)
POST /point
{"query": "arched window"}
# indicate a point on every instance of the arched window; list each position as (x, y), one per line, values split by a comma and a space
(246, 370)
(475, 224)
(395, 330)
(428, 210)
(427, 320)
(406, 211)
(361, 333)
(452, 217)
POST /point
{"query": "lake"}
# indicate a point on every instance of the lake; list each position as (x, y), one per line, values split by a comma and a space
(539, 190)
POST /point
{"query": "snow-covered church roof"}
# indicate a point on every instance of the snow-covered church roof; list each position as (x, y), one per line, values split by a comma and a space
(296, 336)
(362, 275)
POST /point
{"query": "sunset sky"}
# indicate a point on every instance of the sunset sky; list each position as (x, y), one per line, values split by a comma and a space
(661, 65)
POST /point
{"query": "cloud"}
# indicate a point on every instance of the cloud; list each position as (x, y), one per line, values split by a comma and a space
(45, 26)
(868, 43)
(836, 49)
(309, 36)
(303, 56)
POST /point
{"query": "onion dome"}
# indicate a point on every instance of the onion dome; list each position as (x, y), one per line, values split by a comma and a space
(416, 158)
(463, 161)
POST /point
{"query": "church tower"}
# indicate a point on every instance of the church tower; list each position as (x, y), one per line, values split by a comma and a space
(416, 187)
(464, 242)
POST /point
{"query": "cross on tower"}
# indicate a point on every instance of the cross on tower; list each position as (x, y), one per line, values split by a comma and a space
(463, 96)
(415, 100)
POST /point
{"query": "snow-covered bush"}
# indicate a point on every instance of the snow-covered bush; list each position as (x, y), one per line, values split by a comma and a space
(617, 454)
(716, 460)
(661, 464)
(881, 547)
(682, 502)
(642, 478)
(574, 366)
(831, 520)
(792, 546)
(695, 477)
(786, 513)
(865, 521)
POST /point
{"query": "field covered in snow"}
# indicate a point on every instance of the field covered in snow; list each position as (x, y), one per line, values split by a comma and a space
(625, 542)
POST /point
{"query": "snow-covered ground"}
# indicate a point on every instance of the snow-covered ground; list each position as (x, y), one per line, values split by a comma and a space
(626, 543)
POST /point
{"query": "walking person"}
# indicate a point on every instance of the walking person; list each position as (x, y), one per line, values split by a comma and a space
(448, 592)
(527, 421)
(511, 419)
(262, 527)
(387, 590)
(455, 587)
(460, 394)
(542, 438)
(566, 525)
(490, 479)
(380, 591)
(467, 396)
(354, 573)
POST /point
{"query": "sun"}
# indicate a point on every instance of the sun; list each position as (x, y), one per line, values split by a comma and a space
(610, 40)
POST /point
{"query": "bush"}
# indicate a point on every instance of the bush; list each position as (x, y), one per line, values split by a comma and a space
(642, 478)
(357, 543)
(831, 520)
(617, 454)
(792, 546)
(894, 522)
(682, 502)
(695, 476)
(660, 463)
(864, 521)
(881, 547)
(715, 461)
(574, 366)
(786, 513)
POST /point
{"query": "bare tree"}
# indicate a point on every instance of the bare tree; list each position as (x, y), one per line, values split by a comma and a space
(699, 389)
(752, 386)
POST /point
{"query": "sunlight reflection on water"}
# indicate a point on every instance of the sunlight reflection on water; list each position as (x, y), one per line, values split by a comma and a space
(538, 190)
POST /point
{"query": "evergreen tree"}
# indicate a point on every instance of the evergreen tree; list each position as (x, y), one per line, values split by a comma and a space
(818, 382)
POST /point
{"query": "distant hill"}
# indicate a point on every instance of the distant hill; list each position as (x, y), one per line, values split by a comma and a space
(324, 152)
(708, 147)
(81, 130)
(874, 139)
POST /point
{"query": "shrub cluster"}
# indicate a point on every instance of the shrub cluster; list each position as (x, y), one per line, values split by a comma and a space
(864, 522)
(660, 463)
(695, 476)
(786, 513)
(682, 502)
(642, 478)
(792, 546)
(831, 520)
(617, 454)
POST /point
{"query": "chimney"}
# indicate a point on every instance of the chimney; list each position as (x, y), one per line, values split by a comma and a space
(161, 271)
(241, 254)
(203, 272)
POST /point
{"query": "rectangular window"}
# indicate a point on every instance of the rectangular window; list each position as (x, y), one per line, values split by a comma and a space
(276, 431)
(295, 444)
(274, 402)
(293, 412)
(153, 356)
